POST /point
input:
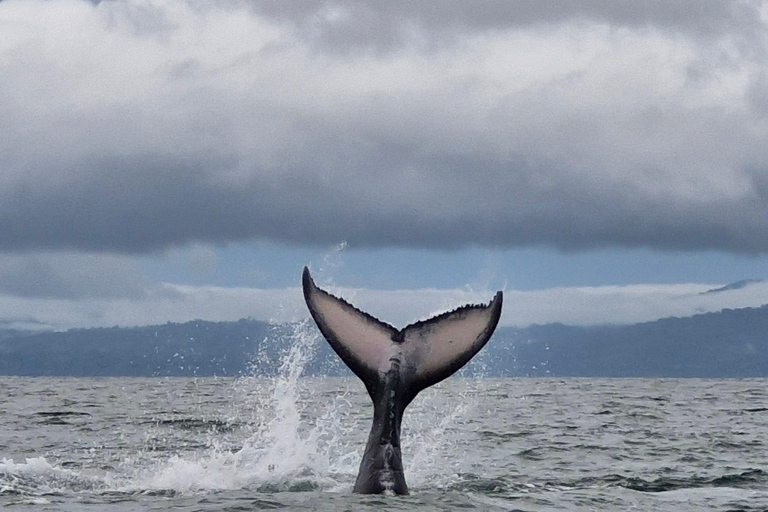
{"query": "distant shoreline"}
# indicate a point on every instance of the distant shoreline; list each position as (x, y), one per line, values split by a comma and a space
(730, 344)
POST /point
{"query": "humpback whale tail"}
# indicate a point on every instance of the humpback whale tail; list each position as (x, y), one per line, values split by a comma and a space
(395, 365)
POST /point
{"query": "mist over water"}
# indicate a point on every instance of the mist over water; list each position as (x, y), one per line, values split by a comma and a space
(295, 442)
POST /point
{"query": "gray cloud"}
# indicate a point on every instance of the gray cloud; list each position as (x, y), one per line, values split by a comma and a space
(575, 306)
(532, 123)
(380, 27)
(71, 277)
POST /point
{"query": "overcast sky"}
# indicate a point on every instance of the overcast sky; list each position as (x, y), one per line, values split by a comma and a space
(195, 154)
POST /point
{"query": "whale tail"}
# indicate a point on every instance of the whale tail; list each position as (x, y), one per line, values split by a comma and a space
(395, 365)
(424, 353)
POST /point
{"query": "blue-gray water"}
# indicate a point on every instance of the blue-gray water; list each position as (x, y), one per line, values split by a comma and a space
(509, 444)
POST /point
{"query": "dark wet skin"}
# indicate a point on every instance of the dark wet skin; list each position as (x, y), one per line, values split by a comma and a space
(381, 469)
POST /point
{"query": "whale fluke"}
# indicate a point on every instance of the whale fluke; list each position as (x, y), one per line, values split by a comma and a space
(395, 365)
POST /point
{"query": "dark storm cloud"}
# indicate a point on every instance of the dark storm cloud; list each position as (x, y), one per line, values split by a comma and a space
(145, 204)
(503, 124)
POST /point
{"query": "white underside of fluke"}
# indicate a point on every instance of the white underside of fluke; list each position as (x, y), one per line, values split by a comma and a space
(425, 349)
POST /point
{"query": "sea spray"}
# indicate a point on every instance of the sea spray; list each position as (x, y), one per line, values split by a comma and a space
(281, 448)
(434, 422)
(433, 427)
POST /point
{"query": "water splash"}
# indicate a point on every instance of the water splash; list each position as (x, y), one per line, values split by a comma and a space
(292, 439)
(435, 422)
(279, 450)
(330, 264)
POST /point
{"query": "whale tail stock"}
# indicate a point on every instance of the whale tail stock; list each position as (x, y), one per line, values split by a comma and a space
(395, 365)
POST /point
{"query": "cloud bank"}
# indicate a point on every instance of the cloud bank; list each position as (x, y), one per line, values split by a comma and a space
(140, 125)
(180, 303)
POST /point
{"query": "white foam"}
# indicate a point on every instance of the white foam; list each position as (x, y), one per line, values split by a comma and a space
(36, 476)
(34, 465)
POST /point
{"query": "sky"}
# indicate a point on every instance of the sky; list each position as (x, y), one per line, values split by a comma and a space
(164, 160)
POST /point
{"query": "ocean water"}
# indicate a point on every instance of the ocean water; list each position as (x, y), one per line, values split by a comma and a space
(194, 444)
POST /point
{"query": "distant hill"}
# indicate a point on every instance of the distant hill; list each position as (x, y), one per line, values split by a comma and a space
(191, 348)
(731, 343)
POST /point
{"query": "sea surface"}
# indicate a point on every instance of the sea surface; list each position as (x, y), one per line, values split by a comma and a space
(198, 444)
